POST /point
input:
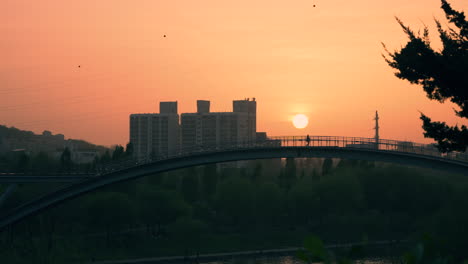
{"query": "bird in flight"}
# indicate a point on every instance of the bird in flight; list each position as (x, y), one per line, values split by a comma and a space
(164, 36)
(79, 66)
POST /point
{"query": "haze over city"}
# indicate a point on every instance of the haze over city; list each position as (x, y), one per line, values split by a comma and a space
(80, 68)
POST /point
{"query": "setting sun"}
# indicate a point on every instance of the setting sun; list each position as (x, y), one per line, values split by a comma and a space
(300, 121)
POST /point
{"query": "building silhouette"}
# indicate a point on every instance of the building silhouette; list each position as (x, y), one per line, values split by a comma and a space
(154, 134)
(205, 129)
(250, 109)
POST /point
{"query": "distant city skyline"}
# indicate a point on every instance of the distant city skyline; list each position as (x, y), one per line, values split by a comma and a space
(81, 68)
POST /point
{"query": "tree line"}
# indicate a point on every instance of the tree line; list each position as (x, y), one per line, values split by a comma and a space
(45, 162)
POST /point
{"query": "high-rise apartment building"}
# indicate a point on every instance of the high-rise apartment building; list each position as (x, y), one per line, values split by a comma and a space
(250, 108)
(219, 129)
(161, 134)
(154, 135)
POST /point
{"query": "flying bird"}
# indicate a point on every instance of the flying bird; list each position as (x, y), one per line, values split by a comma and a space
(164, 36)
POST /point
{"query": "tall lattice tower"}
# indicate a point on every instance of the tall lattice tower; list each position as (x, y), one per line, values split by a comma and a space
(376, 129)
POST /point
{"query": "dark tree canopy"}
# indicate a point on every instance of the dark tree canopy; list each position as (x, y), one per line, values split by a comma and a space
(66, 160)
(129, 149)
(327, 166)
(118, 153)
(189, 185)
(209, 180)
(442, 74)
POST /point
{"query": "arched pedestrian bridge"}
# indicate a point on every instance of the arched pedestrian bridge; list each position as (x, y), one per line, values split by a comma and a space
(399, 152)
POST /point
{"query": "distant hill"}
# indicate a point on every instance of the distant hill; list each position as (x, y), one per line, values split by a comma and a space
(12, 139)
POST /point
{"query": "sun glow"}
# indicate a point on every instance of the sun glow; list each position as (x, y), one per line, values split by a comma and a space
(300, 121)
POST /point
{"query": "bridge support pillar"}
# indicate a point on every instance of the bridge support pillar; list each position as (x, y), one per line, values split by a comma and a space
(9, 190)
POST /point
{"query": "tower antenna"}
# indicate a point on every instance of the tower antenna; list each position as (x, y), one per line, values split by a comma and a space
(376, 137)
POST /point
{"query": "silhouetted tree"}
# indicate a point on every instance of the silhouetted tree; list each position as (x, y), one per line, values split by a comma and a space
(129, 149)
(304, 202)
(96, 162)
(340, 192)
(288, 175)
(106, 157)
(344, 163)
(302, 173)
(4, 164)
(65, 160)
(327, 166)
(171, 179)
(234, 201)
(110, 211)
(269, 203)
(23, 162)
(257, 172)
(118, 153)
(41, 163)
(188, 231)
(156, 179)
(442, 74)
(452, 227)
(189, 185)
(159, 207)
(315, 175)
(209, 180)
(366, 164)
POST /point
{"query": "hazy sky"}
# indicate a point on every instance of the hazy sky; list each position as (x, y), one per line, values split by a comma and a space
(324, 62)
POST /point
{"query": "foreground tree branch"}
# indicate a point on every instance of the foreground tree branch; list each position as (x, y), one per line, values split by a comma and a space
(442, 74)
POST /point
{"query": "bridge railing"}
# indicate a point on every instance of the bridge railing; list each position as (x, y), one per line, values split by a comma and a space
(294, 141)
(370, 143)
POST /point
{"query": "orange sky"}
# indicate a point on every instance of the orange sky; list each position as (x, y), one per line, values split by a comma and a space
(324, 62)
